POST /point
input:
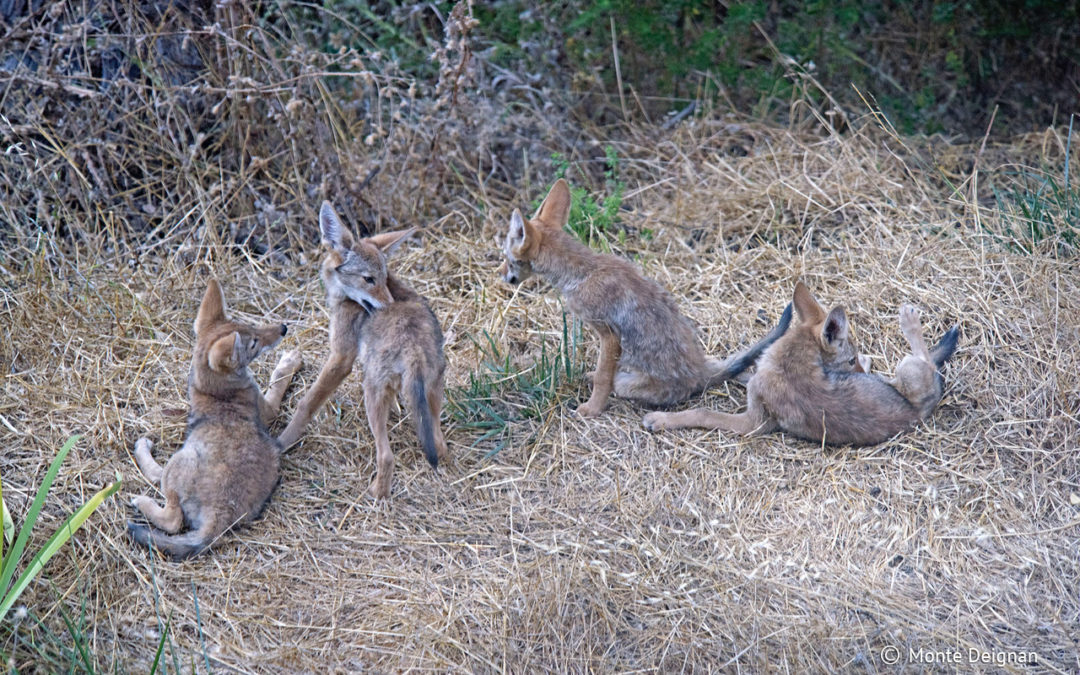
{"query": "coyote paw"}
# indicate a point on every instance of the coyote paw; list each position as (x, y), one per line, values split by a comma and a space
(590, 409)
(143, 445)
(654, 421)
(379, 491)
(909, 320)
(142, 503)
(290, 362)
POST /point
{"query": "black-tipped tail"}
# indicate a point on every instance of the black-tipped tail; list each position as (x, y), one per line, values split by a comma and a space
(736, 365)
(943, 351)
(425, 426)
(177, 547)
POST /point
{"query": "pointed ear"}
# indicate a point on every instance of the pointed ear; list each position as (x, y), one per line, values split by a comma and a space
(334, 234)
(388, 241)
(212, 309)
(836, 326)
(224, 354)
(521, 233)
(555, 210)
(808, 308)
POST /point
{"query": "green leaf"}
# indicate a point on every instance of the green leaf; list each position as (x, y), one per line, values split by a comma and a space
(14, 554)
(59, 538)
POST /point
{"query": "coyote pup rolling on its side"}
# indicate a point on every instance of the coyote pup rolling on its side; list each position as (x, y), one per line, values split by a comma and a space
(396, 334)
(228, 466)
(814, 385)
(648, 350)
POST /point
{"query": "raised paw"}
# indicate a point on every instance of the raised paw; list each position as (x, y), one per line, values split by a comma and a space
(654, 421)
(143, 446)
(909, 320)
(290, 362)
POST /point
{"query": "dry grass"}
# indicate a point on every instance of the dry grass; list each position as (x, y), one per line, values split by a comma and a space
(586, 545)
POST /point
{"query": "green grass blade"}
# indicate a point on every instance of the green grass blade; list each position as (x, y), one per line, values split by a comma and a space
(160, 647)
(59, 538)
(15, 553)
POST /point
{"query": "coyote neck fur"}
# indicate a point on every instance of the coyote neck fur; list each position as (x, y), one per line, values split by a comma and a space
(563, 261)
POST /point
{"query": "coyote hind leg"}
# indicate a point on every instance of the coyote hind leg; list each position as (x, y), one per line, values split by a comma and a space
(169, 518)
(753, 421)
(149, 467)
(377, 400)
(916, 376)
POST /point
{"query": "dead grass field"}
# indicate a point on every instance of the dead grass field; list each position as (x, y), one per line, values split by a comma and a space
(587, 545)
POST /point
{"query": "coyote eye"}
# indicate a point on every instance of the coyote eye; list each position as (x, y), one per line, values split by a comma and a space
(369, 280)
(852, 361)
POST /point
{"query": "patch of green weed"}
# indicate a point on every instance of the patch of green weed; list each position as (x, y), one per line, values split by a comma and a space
(497, 395)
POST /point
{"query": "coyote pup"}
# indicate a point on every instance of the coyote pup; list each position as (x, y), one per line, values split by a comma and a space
(648, 350)
(396, 334)
(228, 466)
(813, 384)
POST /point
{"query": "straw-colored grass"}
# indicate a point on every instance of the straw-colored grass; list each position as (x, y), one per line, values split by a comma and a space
(588, 545)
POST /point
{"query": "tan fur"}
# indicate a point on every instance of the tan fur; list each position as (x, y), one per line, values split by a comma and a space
(812, 384)
(394, 332)
(649, 351)
(228, 466)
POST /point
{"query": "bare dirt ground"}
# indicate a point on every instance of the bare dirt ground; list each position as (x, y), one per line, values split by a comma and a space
(586, 545)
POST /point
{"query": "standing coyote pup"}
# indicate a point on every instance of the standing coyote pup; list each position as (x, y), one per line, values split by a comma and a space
(814, 385)
(648, 350)
(228, 466)
(397, 336)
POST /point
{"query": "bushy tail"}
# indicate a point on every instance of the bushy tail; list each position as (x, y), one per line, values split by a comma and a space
(425, 426)
(733, 366)
(176, 546)
(943, 351)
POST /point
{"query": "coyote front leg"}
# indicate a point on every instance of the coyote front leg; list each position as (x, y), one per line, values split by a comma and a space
(336, 368)
(604, 379)
(270, 403)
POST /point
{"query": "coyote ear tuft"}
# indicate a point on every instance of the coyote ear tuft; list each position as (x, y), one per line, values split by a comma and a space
(334, 234)
(388, 241)
(224, 356)
(836, 326)
(808, 308)
(212, 309)
(555, 211)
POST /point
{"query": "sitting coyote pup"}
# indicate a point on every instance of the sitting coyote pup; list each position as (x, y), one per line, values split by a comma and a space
(648, 350)
(813, 384)
(228, 466)
(398, 338)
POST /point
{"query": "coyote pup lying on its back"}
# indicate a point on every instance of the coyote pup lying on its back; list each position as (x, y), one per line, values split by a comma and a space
(228, 466)
(648, 349)
(813, 384)
(396, 334)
